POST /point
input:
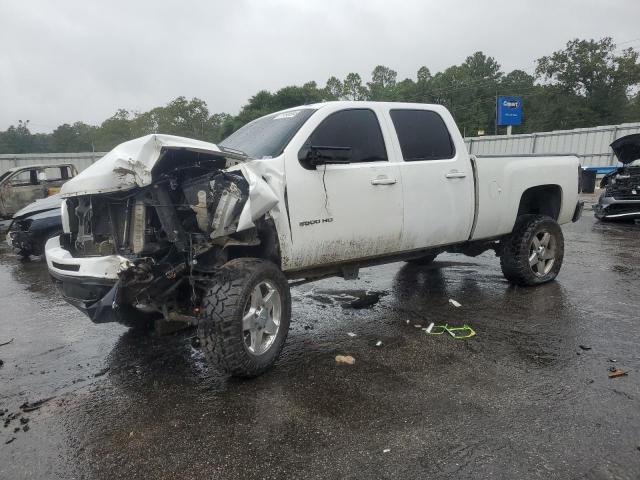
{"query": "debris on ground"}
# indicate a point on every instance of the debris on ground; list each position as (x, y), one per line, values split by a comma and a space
(379, 343)
(454, 303)
(345, 360)
(408, 322)
(10, 440)
(456, 332)
(615, 373)
(101, 372)
(584, 347)
(367, 300)
(417, 325)
(7, 343)
(30, 407)
(386, 450)
(351, 334)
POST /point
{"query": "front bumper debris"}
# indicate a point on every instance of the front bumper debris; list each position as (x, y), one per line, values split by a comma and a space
(96, 299)
(611, 208)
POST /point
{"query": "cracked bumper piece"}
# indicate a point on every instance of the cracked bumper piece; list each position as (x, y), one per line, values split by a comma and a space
(90, 284)
(93, 298)
(610, 208)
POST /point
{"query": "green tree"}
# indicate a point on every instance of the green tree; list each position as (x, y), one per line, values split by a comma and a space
(592, 70)
(382, 84)
(333, 90)
(352, 88)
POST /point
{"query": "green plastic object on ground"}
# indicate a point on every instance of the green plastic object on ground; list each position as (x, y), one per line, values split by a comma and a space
(456, 332)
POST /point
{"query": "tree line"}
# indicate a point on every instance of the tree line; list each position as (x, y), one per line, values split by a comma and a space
(587, 83)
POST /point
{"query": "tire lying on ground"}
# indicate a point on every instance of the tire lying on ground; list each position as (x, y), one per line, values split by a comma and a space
(533, 253)
(245, 317)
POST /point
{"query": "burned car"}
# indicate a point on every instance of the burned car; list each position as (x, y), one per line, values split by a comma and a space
(20, 186)
(212, 235)
(621, 197)
(34, 225)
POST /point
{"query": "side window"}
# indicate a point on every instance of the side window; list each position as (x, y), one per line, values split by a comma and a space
(55, 173)
(25, 177)
(358, 130)
(422, 135)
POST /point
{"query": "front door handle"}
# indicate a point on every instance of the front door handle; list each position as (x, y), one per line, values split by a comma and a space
(455, 174)
(383, 181)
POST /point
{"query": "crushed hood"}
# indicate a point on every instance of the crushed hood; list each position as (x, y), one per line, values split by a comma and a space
(129, 165)
(49, 203)
(627, 148)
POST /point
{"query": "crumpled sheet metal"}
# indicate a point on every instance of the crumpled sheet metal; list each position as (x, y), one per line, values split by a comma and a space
(262, 198)
(129, 165)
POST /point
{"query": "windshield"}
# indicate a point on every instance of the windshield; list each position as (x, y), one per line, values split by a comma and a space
(266, 137)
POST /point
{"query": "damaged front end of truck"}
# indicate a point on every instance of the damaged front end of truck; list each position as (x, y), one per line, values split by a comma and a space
(148, 225)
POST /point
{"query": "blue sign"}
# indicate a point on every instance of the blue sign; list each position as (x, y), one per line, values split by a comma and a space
(509, 110)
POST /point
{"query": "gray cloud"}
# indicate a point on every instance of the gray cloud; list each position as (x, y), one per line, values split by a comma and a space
(79, 60)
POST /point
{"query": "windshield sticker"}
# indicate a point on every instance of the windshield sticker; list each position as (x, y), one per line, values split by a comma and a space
(286, 115)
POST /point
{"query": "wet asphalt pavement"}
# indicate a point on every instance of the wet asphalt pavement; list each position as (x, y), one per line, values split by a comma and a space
(520, 400)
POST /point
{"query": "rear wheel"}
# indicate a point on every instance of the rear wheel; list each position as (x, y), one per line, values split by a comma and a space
(245, 317)
(533, 253)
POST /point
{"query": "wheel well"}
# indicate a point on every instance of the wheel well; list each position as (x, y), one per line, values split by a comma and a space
(541, 200)
(268, 247)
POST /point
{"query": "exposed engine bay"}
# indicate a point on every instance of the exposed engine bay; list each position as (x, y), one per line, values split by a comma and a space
(621, 197)
(173, 232)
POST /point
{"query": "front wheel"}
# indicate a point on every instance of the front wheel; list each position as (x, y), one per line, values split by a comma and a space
(245, 317)
(533, 253)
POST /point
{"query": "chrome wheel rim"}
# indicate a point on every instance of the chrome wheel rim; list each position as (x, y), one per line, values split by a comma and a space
(261, 318)
(542, 253)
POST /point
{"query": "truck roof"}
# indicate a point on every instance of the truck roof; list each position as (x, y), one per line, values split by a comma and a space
(365, 104)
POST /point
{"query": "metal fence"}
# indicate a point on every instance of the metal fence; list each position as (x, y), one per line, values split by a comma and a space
(591, 145)
(80, 160)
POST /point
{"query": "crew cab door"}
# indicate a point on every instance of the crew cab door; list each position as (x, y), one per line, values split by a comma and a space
(437, 177)
(341, 212)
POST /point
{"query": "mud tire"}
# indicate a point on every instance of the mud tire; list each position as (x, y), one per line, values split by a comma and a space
(220, 328)
(515, 250)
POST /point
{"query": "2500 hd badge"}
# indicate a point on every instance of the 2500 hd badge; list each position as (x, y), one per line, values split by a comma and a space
(306, 223)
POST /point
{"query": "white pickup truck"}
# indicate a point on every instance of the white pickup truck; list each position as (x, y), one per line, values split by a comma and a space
(212, 234)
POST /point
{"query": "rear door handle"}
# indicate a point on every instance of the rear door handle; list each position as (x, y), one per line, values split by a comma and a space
(383, 181)
(455, 174)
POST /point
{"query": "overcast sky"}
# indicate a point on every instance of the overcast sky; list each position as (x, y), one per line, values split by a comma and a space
(66, 61)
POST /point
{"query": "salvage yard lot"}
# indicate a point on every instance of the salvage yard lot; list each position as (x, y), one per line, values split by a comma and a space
(528, 397)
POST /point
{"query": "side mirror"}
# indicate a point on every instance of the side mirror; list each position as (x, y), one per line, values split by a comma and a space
(313, 155)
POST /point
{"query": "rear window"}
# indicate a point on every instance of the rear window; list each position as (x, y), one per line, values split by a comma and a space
(267, 137)
(57, 173)
(422, 135)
